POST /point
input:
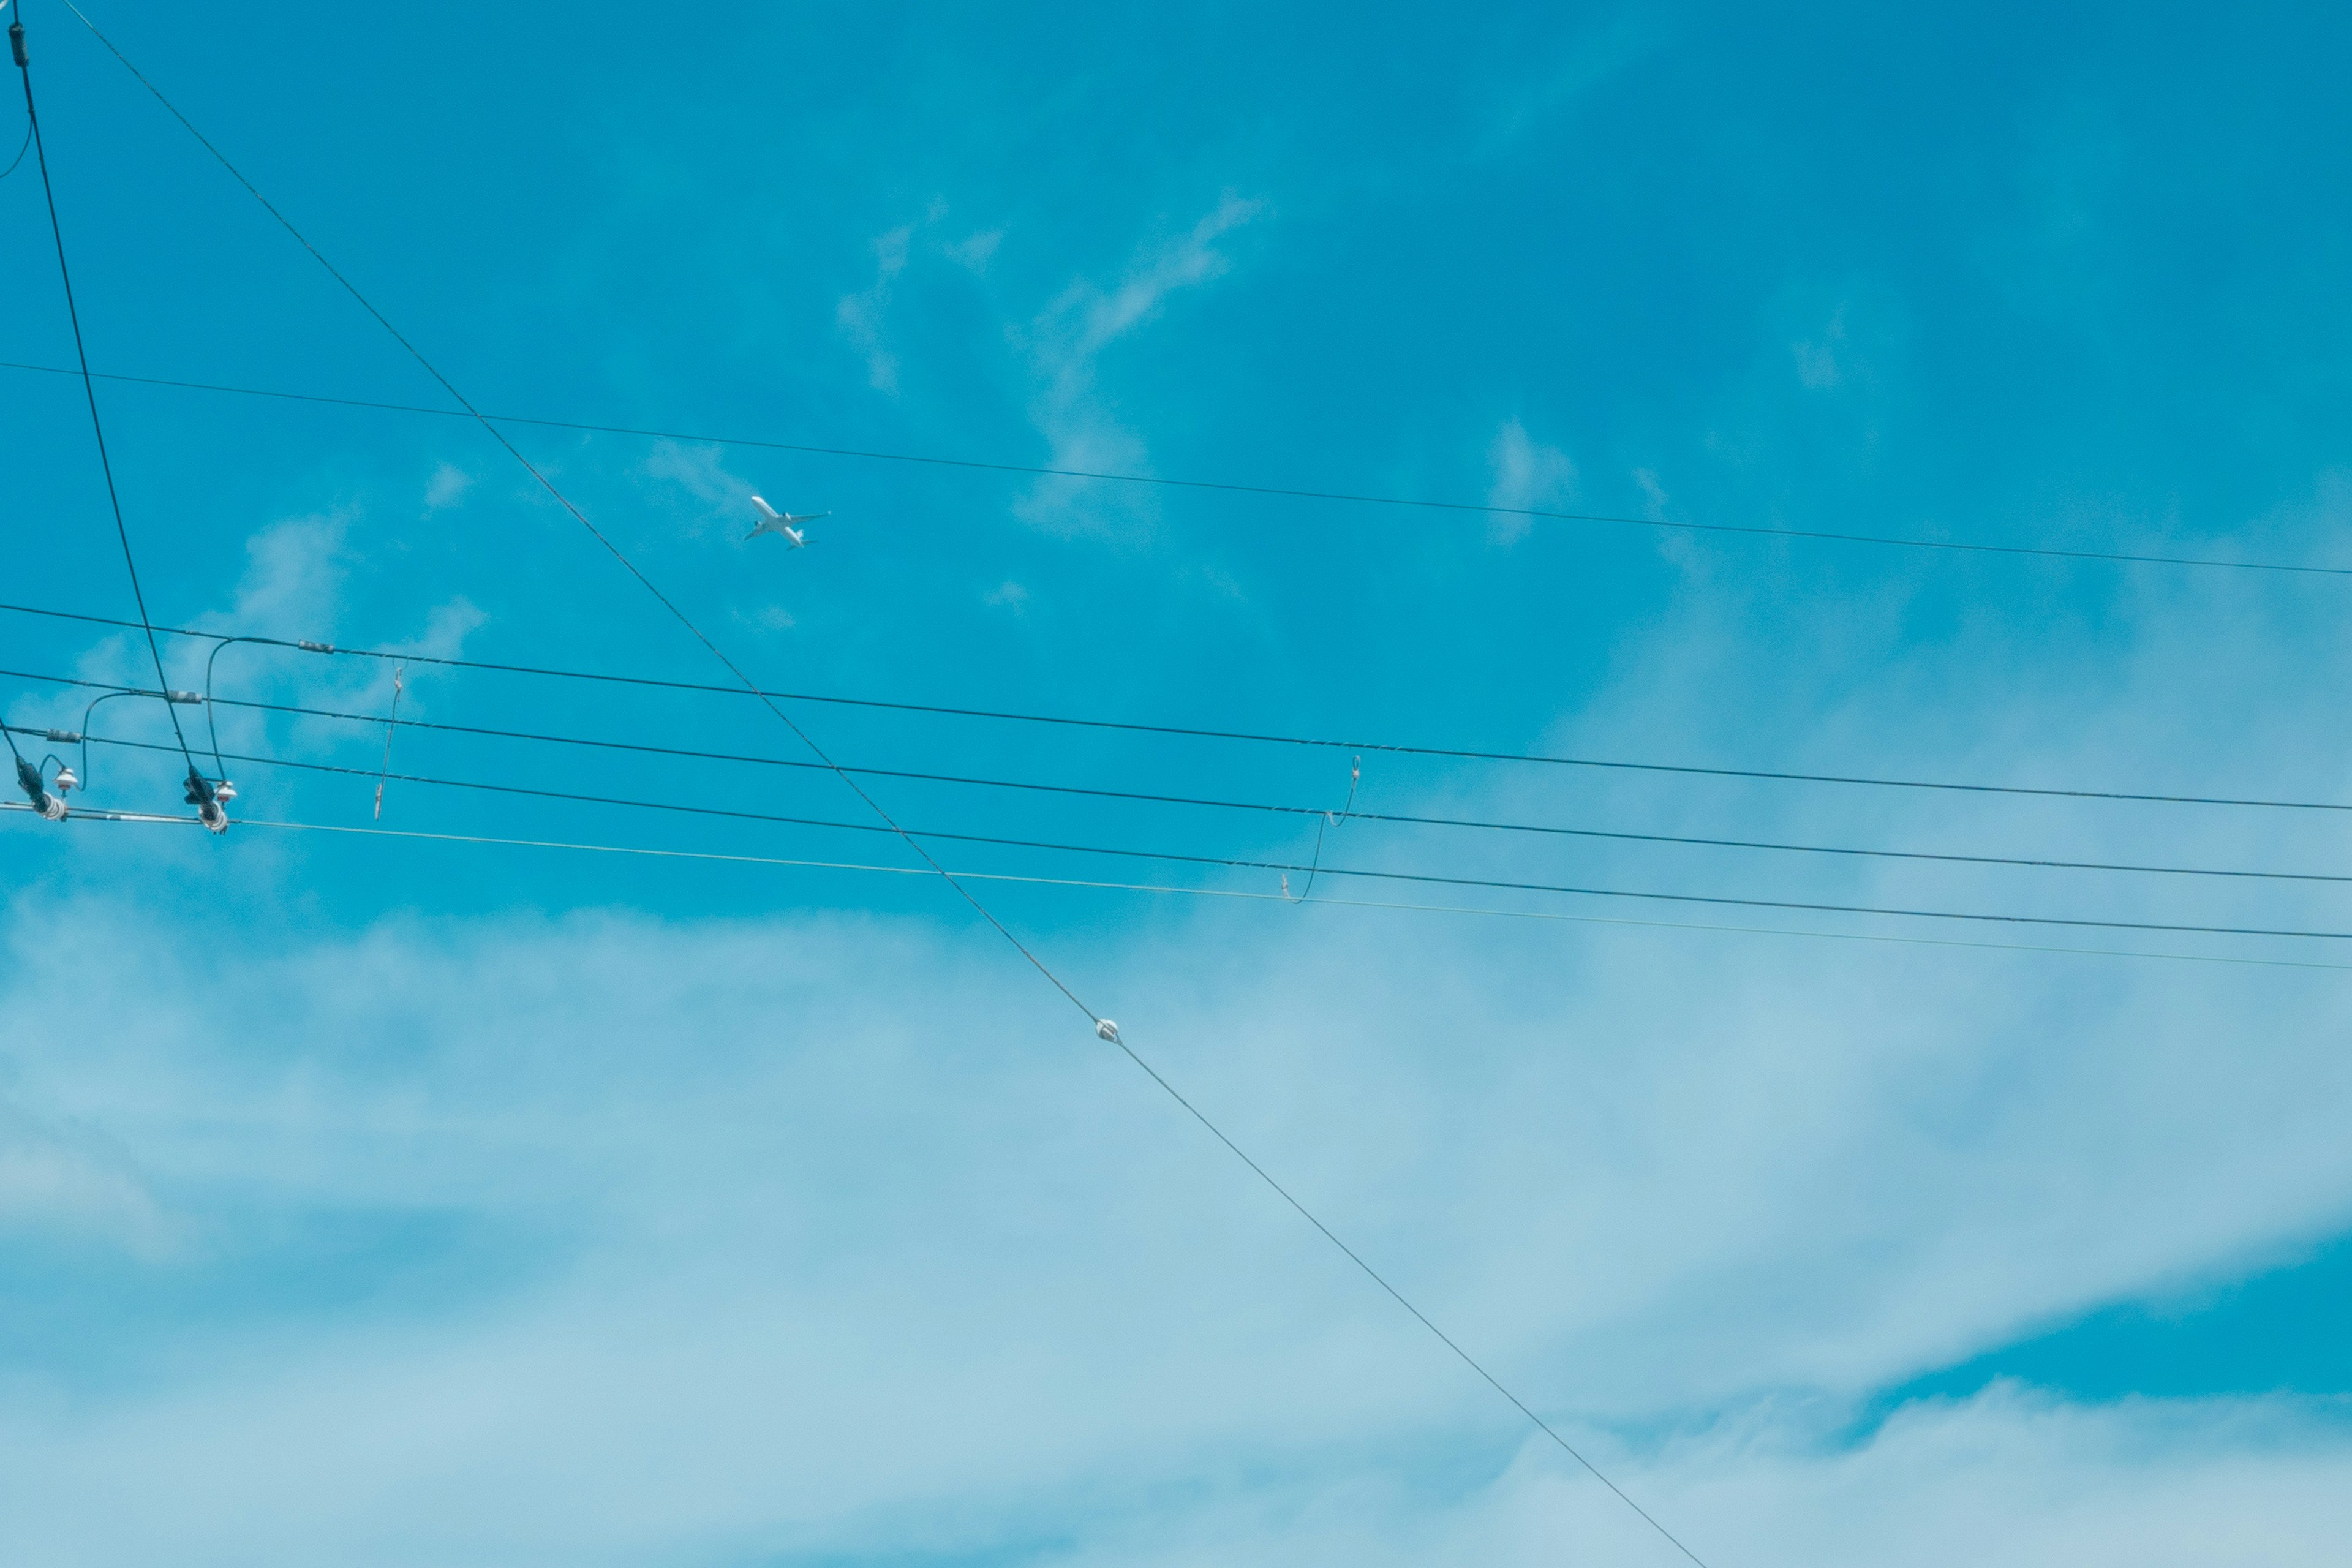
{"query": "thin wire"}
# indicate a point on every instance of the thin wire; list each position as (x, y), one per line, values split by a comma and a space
(1228, 488)
(212, 730)
(1344, 814)
(89, 391)
(1233, 893)
(1236, 863)
(91, 813)
(21, 148)
(1101, 1027)
(1347, 813)
(391, 724)
(1388, 748)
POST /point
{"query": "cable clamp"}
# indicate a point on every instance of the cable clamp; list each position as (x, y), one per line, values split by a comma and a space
(207, 797)
(28, 779)
(315, 646)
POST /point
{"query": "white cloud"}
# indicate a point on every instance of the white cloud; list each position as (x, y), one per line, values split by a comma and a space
(1817, 357)
(860, 315)
(1528, 473)
(977, 250)
(1654, 493)
(1065, 343)
(1008, 596)
(446, 487)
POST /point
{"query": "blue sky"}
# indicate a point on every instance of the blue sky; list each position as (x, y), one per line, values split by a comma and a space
(398, 1201)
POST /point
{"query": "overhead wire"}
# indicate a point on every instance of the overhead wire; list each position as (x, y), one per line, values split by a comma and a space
(1103, 1027)
(1182, 732)
(1239, 894)
(1324, 816)
(1247, 864)
(196, 784)
(1163, 481)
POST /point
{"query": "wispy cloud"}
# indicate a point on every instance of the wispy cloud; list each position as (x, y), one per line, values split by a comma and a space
(975, 252)
(860, 315)
(719, 497)
(1526, 474)
(1065, 343)
(448, 486)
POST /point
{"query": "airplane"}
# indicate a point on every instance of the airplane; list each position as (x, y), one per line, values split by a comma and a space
(774, 521)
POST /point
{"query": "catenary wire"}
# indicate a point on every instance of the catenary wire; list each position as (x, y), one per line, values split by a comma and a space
(1346, 814)
(1181, 732)
(88, 386)
(1241, 894)
(1356, 497)
(1244, 864)
(1101, 1027)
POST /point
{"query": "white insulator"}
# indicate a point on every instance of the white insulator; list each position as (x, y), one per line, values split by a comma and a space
(67, 781)
(1107, 1030)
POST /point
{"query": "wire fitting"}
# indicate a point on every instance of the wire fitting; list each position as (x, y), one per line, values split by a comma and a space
(16, 45)
(28, 779)
(209, 798)
(1107, 1030)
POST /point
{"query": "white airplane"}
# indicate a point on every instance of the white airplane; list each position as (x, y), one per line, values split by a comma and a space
(774, 521)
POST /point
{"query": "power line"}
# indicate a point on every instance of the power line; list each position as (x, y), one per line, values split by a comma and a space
(1346, 814)
(1357, 498)
(1181, 732)
(1243, 864)
(1240, 894)
(1103, 1027)
(197, 788)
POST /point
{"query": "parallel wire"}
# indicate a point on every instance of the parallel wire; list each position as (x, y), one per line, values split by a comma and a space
(1241, 894)
(1356, 497)
(1239, 863)
(969, 897)
(1346, 814)
(1180, 732)
(90, 389)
